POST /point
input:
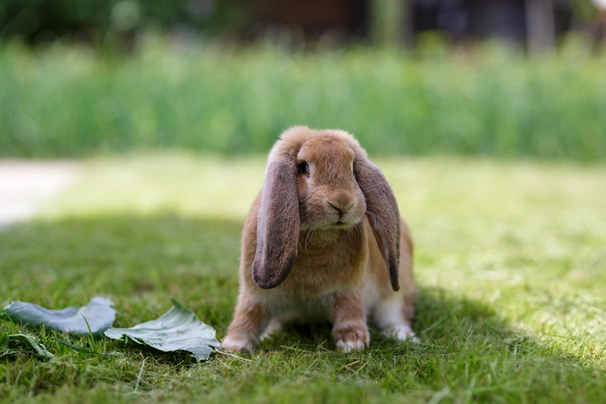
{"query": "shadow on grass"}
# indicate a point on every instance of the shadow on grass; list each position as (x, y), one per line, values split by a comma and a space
(138, 261)
(141, 261)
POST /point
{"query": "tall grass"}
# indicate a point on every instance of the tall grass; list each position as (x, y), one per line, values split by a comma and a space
(68, 101)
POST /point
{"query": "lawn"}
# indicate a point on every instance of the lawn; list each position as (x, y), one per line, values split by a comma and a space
(510, 261)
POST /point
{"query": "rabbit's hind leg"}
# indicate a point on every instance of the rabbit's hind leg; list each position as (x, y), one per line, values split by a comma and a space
(393, 315)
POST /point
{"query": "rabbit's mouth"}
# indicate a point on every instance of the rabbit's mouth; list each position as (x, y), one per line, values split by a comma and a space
(326, 224)
(343, 225)
(338, 225)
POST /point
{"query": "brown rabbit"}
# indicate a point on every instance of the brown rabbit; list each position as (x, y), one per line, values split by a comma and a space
(323, 241)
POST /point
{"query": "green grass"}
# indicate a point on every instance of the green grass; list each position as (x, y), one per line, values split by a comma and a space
(68, 101)
(510, 256)
(510, 261)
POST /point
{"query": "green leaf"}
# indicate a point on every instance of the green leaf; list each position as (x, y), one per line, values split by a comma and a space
(179, 329)
(98, 315)
(11, 344)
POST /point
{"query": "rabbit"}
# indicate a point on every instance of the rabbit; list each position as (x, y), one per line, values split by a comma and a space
(323, 241)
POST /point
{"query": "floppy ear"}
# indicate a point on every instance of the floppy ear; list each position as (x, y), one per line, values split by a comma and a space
(382, 210)
(278, 225)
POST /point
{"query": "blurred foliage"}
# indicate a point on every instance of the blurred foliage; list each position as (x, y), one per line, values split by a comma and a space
(583, 10)
(66, 101)
(117, 22)
(97, 22)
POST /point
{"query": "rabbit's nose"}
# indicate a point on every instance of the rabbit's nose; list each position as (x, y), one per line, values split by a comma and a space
(341, 202)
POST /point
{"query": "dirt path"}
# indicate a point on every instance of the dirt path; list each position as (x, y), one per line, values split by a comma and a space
(26, 185)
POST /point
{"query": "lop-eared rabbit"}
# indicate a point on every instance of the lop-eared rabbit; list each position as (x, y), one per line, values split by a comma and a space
(324, 240)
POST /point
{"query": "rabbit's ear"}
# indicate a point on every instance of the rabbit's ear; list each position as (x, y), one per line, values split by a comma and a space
(278, 225)
(382, 211)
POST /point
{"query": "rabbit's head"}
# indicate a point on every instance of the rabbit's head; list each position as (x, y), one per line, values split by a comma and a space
(320, 181)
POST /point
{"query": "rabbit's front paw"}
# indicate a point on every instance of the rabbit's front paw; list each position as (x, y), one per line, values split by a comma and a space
(352, 338)
(237, 345)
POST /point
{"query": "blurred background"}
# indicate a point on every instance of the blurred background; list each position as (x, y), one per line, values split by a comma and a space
(498, 78)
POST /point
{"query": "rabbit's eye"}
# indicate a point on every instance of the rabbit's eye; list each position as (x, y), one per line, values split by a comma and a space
(303, 167)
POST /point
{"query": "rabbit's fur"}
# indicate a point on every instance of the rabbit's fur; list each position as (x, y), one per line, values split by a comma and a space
(323, 241)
